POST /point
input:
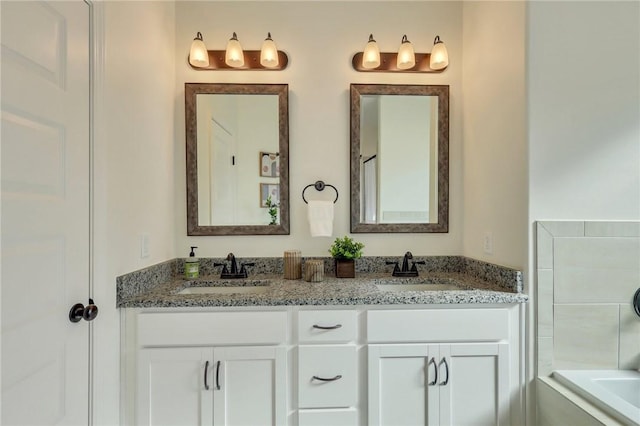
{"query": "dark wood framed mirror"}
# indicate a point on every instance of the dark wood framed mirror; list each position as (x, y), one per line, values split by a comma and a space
(399, 158)
(237, 152)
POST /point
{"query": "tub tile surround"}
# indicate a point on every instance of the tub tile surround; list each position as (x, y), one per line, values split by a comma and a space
(153, 286)
(587, 273)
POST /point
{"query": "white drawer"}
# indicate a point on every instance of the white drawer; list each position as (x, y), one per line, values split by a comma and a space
(337, 362)
(211, 328)
(332, 416)
(327, 326)
(437, 325)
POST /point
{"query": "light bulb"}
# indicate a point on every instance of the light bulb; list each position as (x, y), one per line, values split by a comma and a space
(371, 54)
(234, 56)
(406, 56)
(198, 55)
(269, 53)
(439, 56)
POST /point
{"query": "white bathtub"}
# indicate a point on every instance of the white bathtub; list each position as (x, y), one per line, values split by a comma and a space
(616, 391)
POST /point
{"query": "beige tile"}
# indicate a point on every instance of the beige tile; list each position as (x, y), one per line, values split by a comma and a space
(585, 336)
(545, 356)
(544, 248)
(612, 229)
(629, 339)
(545, 303)
(595, 270)
(559, 406)
(564, 228)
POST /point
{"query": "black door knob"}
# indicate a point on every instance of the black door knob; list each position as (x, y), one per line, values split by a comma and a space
(90, 311)
(79, 311)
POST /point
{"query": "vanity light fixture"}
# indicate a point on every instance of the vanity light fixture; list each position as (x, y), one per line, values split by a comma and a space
(406, 56)
(235, 58)
(269, 53)
(405, 60)
(198, 55)
(371, 54)
(439, 56)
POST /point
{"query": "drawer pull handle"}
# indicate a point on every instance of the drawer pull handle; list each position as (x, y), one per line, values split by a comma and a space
(331, 327)
(446, 370)
(206, 370)
(218, 375)
(435, 369)
(325, 379)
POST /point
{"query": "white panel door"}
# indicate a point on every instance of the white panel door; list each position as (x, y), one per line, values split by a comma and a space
(250, 386)
(401, 385)
(474, 384)
(45, 211)
(224, 186)
(174, 387)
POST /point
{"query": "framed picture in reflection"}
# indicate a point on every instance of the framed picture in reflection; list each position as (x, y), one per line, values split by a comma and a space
(269, 164)
(267, 189)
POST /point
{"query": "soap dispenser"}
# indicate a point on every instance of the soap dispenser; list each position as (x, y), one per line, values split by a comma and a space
(191, 265)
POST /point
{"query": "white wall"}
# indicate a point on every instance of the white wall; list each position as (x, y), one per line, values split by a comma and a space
(140, 123)
(402, 124)
(258, 132)
(583, 67)
(320, 39)
(495, 140)
(584, 113)
(134, 167)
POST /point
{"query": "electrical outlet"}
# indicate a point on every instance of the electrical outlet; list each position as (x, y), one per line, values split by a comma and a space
(144, 246)
(487, 243)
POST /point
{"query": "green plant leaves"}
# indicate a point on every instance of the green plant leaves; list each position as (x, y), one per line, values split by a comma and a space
(346, 248)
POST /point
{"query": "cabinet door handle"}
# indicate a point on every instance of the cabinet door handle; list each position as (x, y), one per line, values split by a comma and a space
(435, 369)
(327, 379)
(446, 370)
(206, 370)
(330, 327)
(218, 375)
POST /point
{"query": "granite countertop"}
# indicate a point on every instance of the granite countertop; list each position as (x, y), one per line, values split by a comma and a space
(449, 288)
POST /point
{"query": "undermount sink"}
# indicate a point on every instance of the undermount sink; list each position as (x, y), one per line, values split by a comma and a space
(226, 287)
(417, 287)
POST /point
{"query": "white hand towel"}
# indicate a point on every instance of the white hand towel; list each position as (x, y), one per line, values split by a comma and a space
(320, 216)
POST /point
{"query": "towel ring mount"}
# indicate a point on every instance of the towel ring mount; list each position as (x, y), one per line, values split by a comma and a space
(319, 186)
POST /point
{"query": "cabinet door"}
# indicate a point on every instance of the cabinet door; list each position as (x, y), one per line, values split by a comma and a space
(249, 385)
(474, 384)
(171, 387)
(400, 392)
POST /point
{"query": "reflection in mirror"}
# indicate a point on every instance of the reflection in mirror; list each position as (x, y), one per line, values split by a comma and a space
(399, 158)
(237, 159)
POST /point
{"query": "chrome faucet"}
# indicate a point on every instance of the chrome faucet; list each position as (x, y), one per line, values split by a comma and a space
(233, 272)
(406, 271)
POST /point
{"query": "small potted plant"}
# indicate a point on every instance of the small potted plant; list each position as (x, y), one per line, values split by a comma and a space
(273, 210)
(345, 251)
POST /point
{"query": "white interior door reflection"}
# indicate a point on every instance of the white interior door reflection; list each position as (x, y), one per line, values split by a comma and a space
(224, 180)
(233, 133)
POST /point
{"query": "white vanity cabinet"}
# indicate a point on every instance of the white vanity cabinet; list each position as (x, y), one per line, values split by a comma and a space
(324, 365)
(451, 367)
(192, 370)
